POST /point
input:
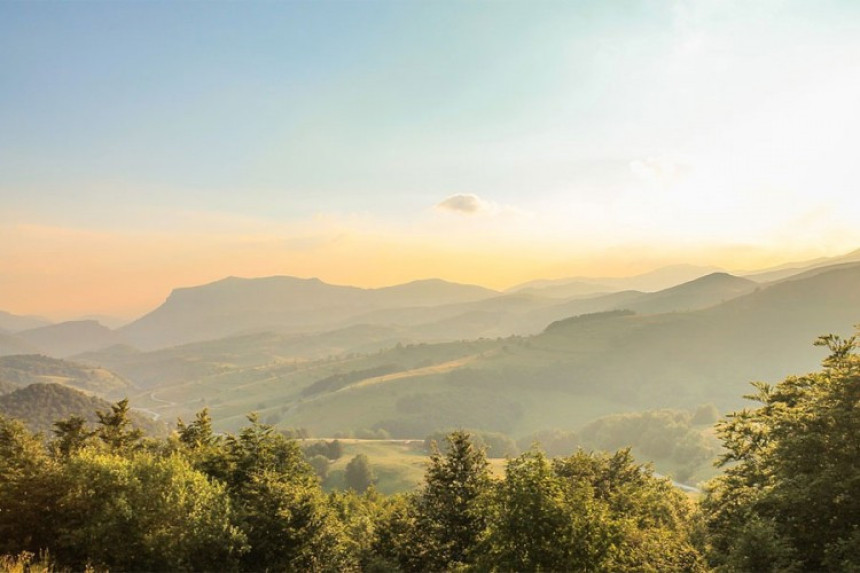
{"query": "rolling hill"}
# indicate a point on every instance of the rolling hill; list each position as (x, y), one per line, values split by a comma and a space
(69, 338)
(498, 316)
(40, 405)
(23, 370)
(573, 372)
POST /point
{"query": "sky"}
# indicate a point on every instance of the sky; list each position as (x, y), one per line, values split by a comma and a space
(146, 146)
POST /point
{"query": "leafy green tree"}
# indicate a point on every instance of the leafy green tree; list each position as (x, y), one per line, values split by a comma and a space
(142, 512)
(199, 432)
(320, 464)
(791, 473)
(289, 526)
(650, 524)
(438, 527)
(359, 475)
(397, 542)
(587, 512)
(279, 504)
(26, 489)
(361, 516)
(71, 435)
(451, 506)
(540, 525)
(115, 428)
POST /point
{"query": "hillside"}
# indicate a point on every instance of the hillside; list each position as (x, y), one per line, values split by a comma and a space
(658, 279)
(68, 338)
(193, 361)
(696, 294)
(23, 370)
(285, 304)
(11, 344)
(16, 323)
(40, 405)
(574, 372)
(498, 316)
(781, 272)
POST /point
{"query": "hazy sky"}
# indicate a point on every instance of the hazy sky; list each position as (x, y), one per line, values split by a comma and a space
(149, 145)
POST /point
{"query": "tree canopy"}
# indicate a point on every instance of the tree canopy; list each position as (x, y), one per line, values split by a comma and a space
(788, 497)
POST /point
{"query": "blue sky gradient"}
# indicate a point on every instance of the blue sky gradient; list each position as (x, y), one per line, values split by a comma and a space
(697, 128)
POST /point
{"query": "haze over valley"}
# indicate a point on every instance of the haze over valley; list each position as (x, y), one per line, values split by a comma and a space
(429, 286)
(410, 360)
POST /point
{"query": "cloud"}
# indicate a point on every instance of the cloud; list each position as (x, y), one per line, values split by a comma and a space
(657, 170)
(467, 204)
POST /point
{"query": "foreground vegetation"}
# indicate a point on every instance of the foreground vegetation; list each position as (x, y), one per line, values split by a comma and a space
(105, 497)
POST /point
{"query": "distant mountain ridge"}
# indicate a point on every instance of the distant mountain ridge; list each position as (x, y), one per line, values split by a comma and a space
(792, 269)
(12, 323)
(614, 361)
(429, 310)
(70, 338)
(651, 281)
(694, 295)
(234, 306)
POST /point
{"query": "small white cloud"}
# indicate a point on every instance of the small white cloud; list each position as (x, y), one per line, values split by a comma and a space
(467, 204)
(656, 170)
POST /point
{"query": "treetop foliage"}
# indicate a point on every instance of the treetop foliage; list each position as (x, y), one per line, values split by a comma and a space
(787, 499)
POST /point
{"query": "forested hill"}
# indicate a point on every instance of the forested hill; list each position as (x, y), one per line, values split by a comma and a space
(40, 405)
(25, 369)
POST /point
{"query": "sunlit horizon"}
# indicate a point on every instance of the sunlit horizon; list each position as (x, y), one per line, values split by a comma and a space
(152, 146)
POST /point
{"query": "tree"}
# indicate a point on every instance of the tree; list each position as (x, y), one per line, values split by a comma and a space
(320, 465)
(26, 488)
(199, 432)
(649, 523)
(71, 435)
(142, 512)
(787, 499)
(587, 512)
(278, 502)
(115, 428)
(451, 512)
(533, 527)
(359, 475)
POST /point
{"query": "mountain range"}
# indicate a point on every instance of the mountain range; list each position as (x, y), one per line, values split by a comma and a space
(428, 355)
(697, 343)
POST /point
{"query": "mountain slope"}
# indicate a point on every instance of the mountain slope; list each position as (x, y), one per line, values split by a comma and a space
(15, 323)
(40, 405)
(793, 269)
(23, 370)
(583, 368)
(12, 344)
(696, 294)
(287, 304)
(658, 279)
(68, 338)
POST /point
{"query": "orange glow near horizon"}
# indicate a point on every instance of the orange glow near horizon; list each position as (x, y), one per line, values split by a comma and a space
(63, 274)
